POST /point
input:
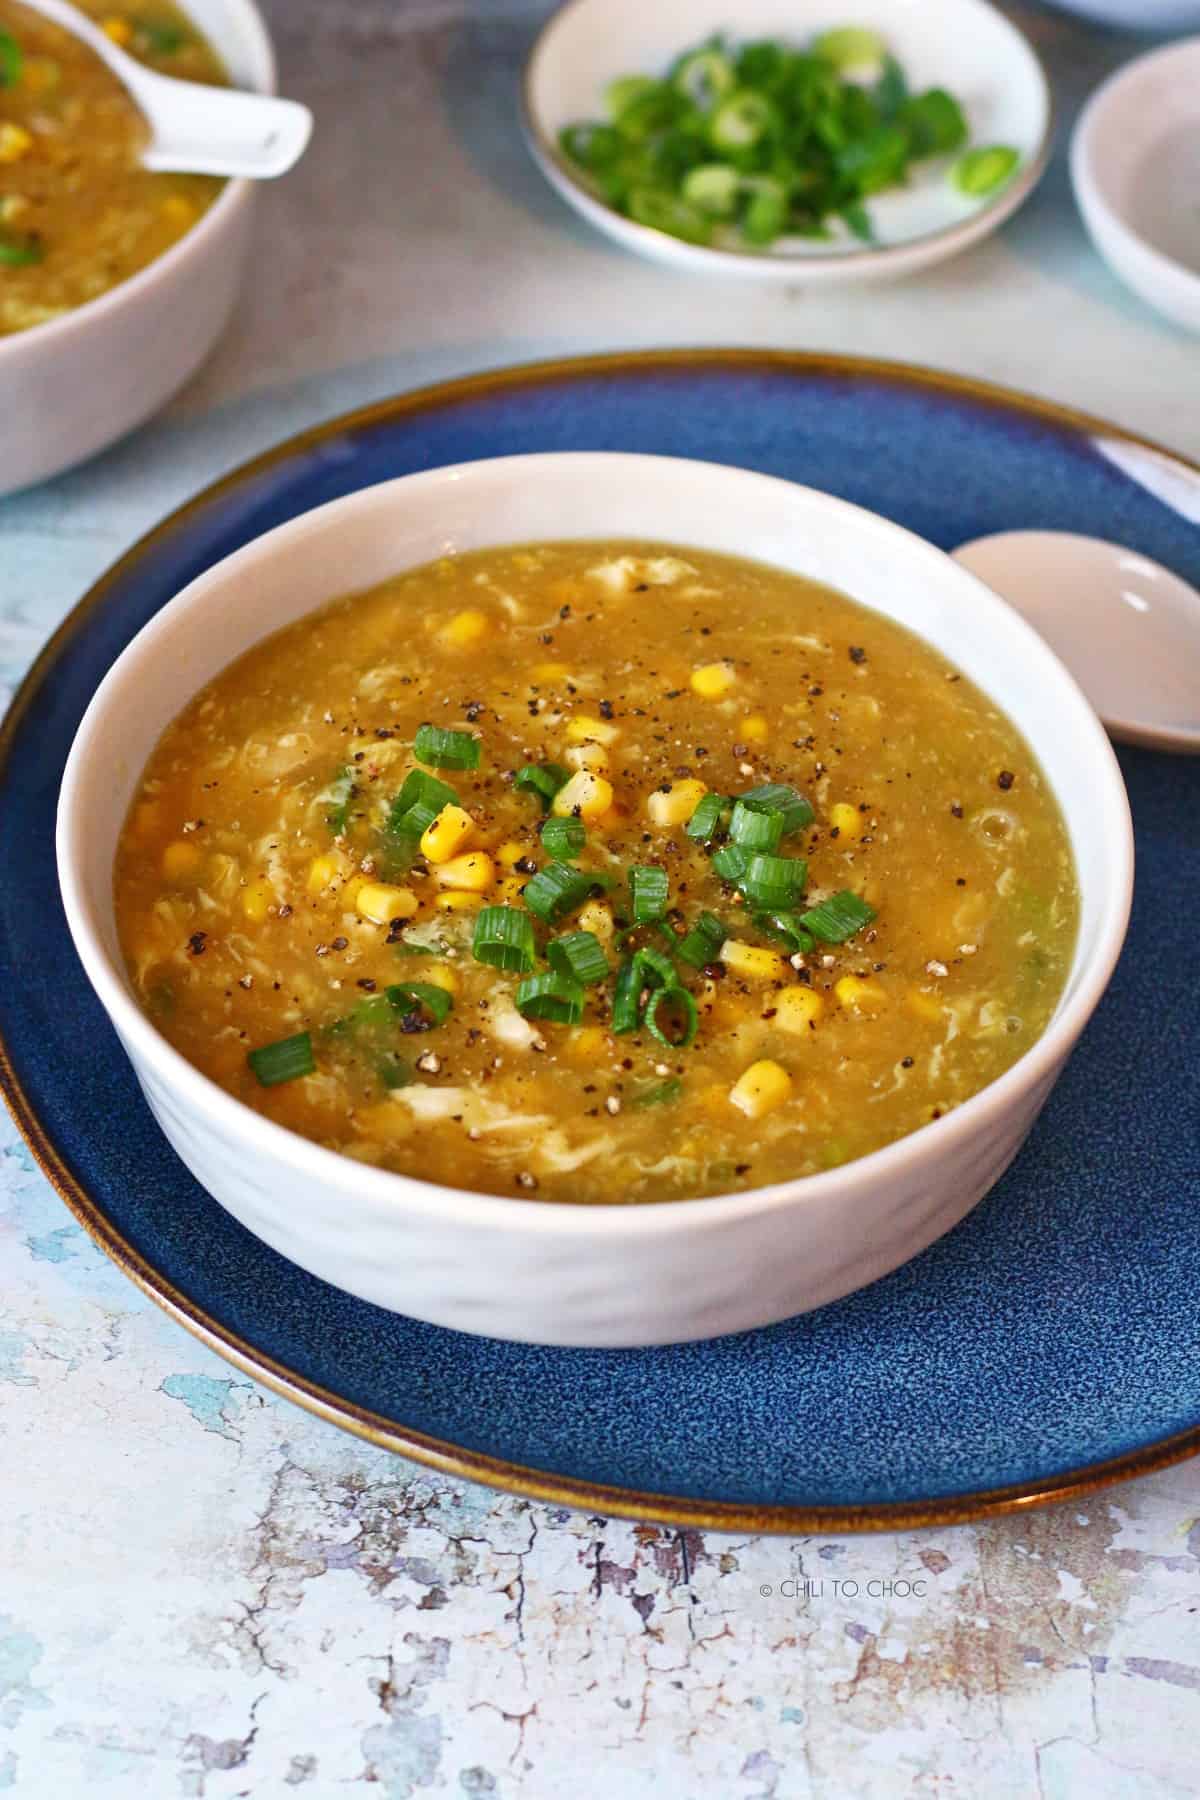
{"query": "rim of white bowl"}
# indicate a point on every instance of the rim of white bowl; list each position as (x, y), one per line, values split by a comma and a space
(235, 193)
(795, 263)
(648, 1218)
(1090, 190)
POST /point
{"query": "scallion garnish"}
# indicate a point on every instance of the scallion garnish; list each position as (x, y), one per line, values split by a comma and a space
(564, 838)
(284, 1060)
(702, 942)
(707, 819)
(787, 928)
(774, 882)
(671, 1017)
(730, 862)
(504, 939)
(421, 790)
(649, 888)
(551, 996)
(754, 829)
(414, 823)
(663, 1094)
(338, 796)
(413, 1000)
(627, 996)
(985, 169)
(20, 250)
(542, 779)
(11, 60)
(557, 891)
(445, 749)
(837, 918)
(579, 956)
(775, 797)
(657, 970)
(393, 1071)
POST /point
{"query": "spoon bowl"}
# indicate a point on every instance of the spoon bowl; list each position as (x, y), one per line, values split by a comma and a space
(1128, 629)
(196, 129)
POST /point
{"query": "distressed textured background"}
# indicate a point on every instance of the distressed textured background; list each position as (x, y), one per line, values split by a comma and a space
(206, 1593)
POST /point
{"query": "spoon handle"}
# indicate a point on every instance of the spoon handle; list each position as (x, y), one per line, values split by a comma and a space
(202, 130)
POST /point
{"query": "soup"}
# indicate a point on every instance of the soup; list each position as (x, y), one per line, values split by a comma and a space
(78, 212)
(596, 872)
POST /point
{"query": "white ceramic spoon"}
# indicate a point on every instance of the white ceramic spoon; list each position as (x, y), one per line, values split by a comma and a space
(1128, 630)
(195, 129)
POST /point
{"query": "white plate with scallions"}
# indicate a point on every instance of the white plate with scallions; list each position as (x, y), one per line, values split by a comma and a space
(789, 139)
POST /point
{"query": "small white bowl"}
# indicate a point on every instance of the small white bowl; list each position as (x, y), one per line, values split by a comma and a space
(82, 381)
(1135, 163)
(555, 1273)
(963, 45)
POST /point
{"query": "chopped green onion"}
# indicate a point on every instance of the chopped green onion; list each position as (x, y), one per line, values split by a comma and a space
(620, 94)
(421, 790)
(678, 1007)
(934, 123)
(774, 881)
(650, 888)
(741, 121)
(702, 943)
(161, 40)
(564, 838)
(664, 1094)
(657, 970)
(765, 209)
(557, 891)
(544, 780)
(705, 822)
(752, 829)
(579, 956)
(284, 1060)
(704, 77)
(20, 252)
(850, 47)
(627, 996)
(787, 928)
(775, 797)
(11, 60)
(838, 918)
(504, 939)
(730, 862)
(859, 220)
(415, 998)
(338, 796)
(443, 749)
(393, 1071)
(985, 169)
(891, 91)
(713, 188)
(663, 212)
(403, 948)
(552, 996)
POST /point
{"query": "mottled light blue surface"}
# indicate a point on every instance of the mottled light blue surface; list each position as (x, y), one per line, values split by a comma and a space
(1056, 1327)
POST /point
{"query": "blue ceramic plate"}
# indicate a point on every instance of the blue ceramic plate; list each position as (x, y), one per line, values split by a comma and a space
(1050, 1344)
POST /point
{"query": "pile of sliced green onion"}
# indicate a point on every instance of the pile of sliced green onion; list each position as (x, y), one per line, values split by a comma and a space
(738, 146)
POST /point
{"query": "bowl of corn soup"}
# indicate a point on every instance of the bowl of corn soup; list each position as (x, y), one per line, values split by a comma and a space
(115, 280)
(592, 898)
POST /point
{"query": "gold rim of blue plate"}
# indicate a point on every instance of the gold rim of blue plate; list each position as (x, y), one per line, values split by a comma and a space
(445, 1457)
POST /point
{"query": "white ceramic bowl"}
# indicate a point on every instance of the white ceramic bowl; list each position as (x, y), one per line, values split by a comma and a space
(82, 381)
(1137, 15)
(1135, 163)
(964, 45)
(554, 1273)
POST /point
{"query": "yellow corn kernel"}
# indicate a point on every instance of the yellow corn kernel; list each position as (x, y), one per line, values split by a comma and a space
(448, 833)
(119, 30)
(797, 1010)
(182, 861)
(753, 960)
(177, 209)
(258, 897)
(675, 805)
(713, 680)
(595, 917)
(550, 671)
(862, 996)
(846, 820)
(509, 889)
(925, 1006)
(13, 208)
(464, 629)
(755, 729)
(473, 873)
(379, 903)
(586, 756)
(585, 730)
(459, 901)
(40, 74)
(586, 1042)
(510, 853)
(146, 817)
(15, 142)
(761, 1088)
(439, 975)
(323, 871)
(587, 795)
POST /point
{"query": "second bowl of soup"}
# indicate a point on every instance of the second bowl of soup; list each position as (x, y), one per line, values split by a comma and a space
(608, 900)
